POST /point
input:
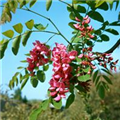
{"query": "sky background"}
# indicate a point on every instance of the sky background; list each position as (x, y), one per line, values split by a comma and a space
(60, 16)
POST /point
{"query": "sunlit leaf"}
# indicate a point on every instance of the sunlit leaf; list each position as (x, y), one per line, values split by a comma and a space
(32, 2)
(3, 46)
(84, 78)
(29, 24)
(26, 37)
(48, 4)
(58, 104)
(40, 27)
(45, 67)
(16, 44)
(8, 33)
(18, 27)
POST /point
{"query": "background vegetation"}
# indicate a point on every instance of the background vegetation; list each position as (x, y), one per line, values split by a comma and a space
(19, 108)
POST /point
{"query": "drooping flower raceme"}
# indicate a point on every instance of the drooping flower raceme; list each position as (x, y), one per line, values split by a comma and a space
(60, 81)
(39, 55)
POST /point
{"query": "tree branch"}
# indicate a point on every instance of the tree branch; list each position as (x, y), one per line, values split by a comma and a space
(113, 47)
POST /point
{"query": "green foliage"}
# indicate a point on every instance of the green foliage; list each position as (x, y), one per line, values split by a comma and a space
(48, 4)
(16, 44)
(41, 75)
(18, 27)
(45, 67)
(8, 33)
(26, 37)
(3, 46)
(32, 2)
(34, 81)
(70, 100)
(29, 24)
(40, 27)
(56, 104)
(104, 37)
(110, 30)
(84, 78)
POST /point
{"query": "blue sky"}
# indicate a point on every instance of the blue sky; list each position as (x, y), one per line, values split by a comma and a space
(60, 17)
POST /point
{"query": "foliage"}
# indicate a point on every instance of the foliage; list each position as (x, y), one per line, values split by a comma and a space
(75, 66)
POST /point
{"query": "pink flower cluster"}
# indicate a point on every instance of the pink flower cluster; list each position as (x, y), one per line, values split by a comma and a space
(62, 71)
(104, 59)
(39, 55)
(86, 30)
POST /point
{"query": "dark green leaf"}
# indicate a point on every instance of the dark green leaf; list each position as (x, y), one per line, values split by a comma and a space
(3, 46)
(80, 88)
(79, 8)
(104, 6)
(58, 104)
(117, 3)
(24, 82)
(101, 91)
(96, 16)
(98, 32)
(23, 2)
(34, 82)
(32, 2)
(71, 25)
(48, 4)
(70, 100)
(26, 37)
(16, 44)
(45, 67)
(106, 71)
(97, 80)
(8, 33)
(29, 24)
(116, 23)
(41, 75)
(95, 75)
(84, 78)
(104, 37)
(110, 30)
(72, 16)
(40, 27)
(18, 27)
(107, 79)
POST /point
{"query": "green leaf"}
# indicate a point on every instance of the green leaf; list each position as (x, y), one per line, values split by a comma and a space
(58, 104)
(18, 27)
(48, 4)
(86, 69)
(110, 30)
(72, 16)
(24, 82)
(97, 80)
(32, 2)
(95, 75)
(8, 33)
(20, 67)
(13, 5)
(26, 37)
(3, 46)
(40, 27)
(45, 67)
(79, 8)
(96, 16)
(34, 82)
(36, 112)
(107, 79)
(41, 75)
(23, 61)
(84, 78)
(70, 100)
(99, 2)
(104, 37)
(80, 88)
(104, 6)
(101, 91)
(29, 24)
(106, 71)
(116, 23)
(23, 2)
(16, 44)
(71, 25)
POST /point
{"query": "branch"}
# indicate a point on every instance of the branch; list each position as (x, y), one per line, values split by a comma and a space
(113, 47)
